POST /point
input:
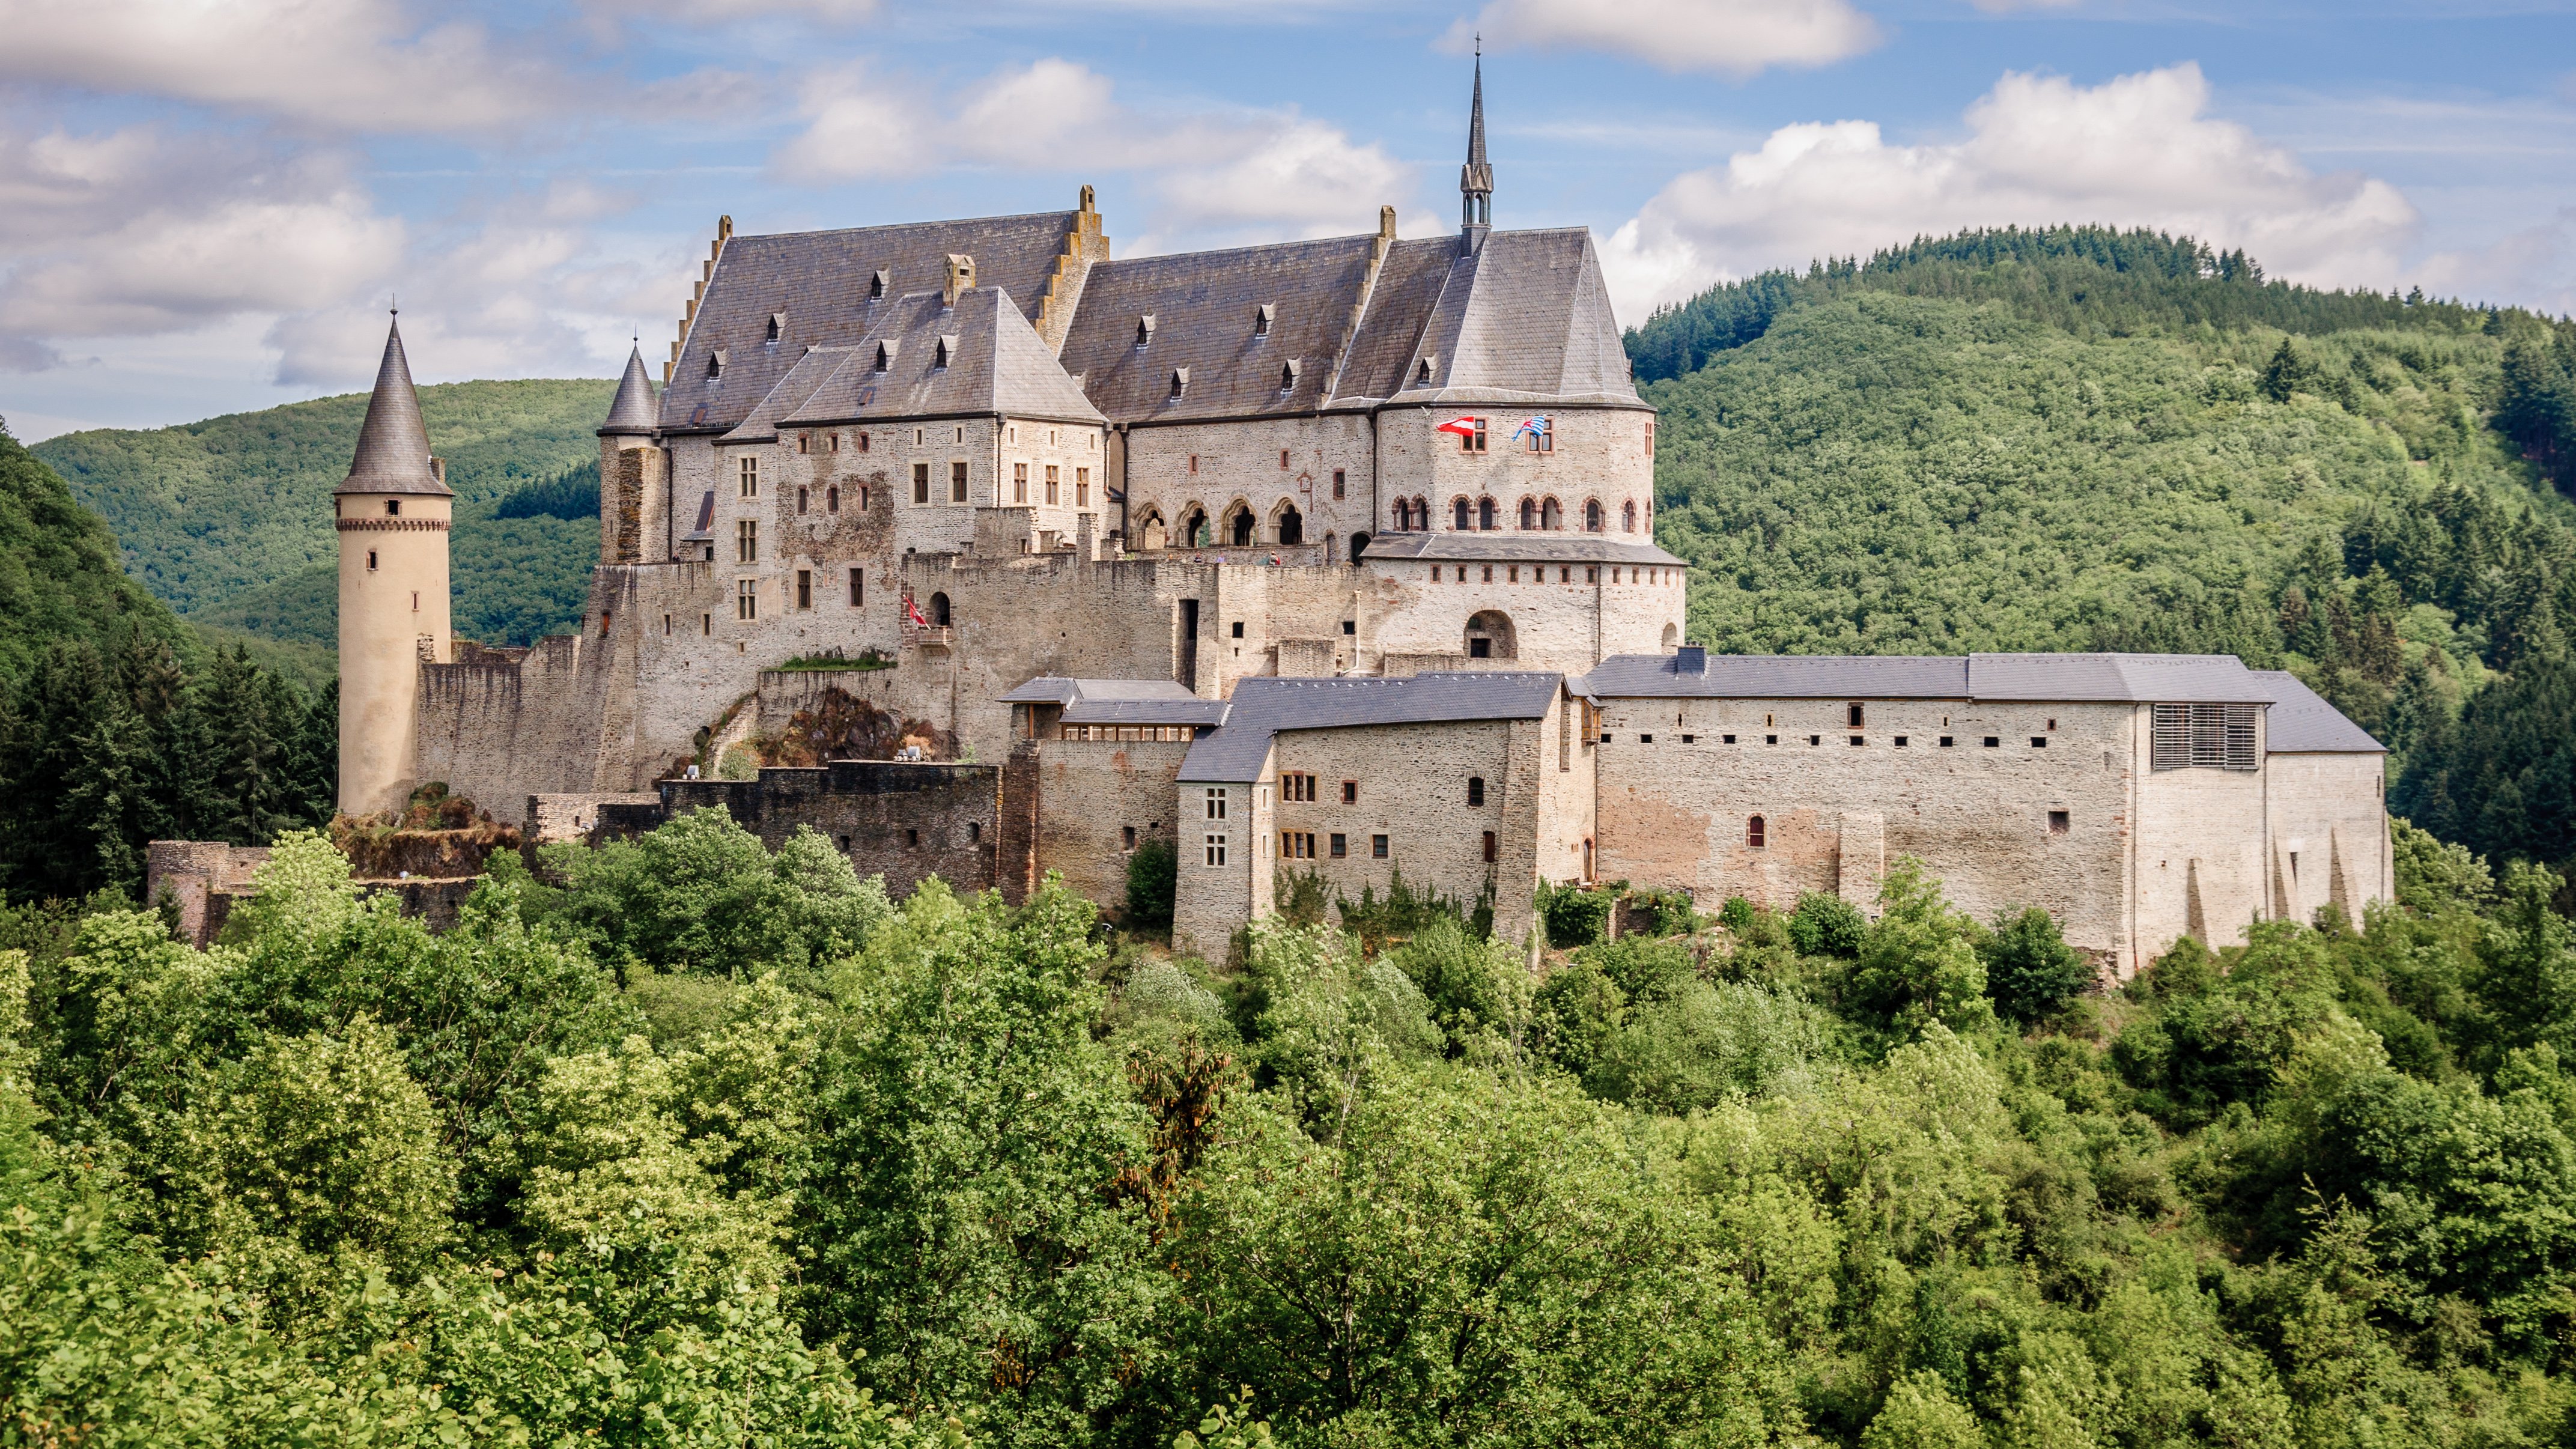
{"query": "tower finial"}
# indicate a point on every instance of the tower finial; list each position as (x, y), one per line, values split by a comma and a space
(1476, 178)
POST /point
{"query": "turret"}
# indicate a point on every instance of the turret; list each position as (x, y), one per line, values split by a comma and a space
(634, 494)
(1476, 178)
(392, 514)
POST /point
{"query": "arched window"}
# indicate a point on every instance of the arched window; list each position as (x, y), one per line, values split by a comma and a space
(1466, 519)
(1551, 517)
(1359, 545)
(1194, 528)
(1292, 525)
(939, 609)
(1529, 513)
(1591, 515)
(1490, 635)
(1239, 528)
(1150, 532)
(1753, 834)
(1422, 513)
(1485, 514)
(1628, 517)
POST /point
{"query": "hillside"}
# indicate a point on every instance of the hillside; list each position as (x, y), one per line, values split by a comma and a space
(228, 519)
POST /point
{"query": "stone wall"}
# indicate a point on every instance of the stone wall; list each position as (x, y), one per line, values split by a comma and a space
(2329, 834)
(1211, 898)
(203, 877)
(907, 822)
(1096, 801)
(1237, 466)
(1600, 455)
(552, 819)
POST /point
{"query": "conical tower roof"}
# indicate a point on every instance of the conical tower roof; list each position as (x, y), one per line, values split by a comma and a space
(393, 446)
(634, 410)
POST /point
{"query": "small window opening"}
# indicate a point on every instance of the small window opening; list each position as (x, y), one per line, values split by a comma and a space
(1475, 790)
(777, 325)
(1261, 316)
(393, 508)
(1853, 715)
(1753, 832)
(2057, 822)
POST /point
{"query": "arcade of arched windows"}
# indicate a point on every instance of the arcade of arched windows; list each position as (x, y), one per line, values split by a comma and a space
(1532, 514)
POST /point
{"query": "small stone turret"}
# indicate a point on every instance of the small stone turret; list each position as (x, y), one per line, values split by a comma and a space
(392, 514)
(634, 491)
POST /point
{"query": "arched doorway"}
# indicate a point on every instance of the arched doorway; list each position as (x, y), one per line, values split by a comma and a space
(1359, 545)
(1489, 635)
(939, 610)
(1292, 524)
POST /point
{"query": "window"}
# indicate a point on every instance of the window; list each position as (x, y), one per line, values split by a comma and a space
(1338, 483)
(2058, 824)
(1082, 487)
(800, 497)
(1853, 716)
(1377, 847)
(1296, 845)
(804, 442)
(1628, 517)
(706, 624)
(746, 540)
(666, 626)
(1475, 790)
(1946, 742)
(1019, 482)
(1489, 573)
(877, 284)
(1261, 316)
(1283, 460)
(1591, 518)
(2039, 742)
(832, 499)
(1541, 435)
(804, 588)
(1650, 442)
(415, 601)
(777, 326)
(1485, 514)
(1900, 742)
(1753, 832)
(1340, 846)
(746, 598)
(956, 482)
(1529, 513)
(371, 560)
(858, 587)
(1216, 804)
(1350, 792)
(1180, 382)
(1050, 484)
(863, 442)
(2050, 726)
(1238, 628)
(1463, 517)
(750, 474)
(1194, 462)
(1592, 573)
(1857, 739)
(1473, 440)
(835, 442)
(1726, 739)
(921, 482)
(715, 364)
(1690, 739)
(1296, 787)
(1512, 573)
(974, 831)
(1216, 850)
(1127, 836)
(1815, 739)
(2205, 736)
(1993, 743)
(393, 508)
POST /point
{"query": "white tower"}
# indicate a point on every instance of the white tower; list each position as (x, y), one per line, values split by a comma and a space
(392, 513)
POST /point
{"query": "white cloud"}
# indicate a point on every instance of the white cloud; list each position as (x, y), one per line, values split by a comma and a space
(1212, 171)
(347, 65)
(2134, 151)
(1731, 37)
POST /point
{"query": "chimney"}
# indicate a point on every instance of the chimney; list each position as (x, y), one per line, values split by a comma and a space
(1691, 659)
(961, 278)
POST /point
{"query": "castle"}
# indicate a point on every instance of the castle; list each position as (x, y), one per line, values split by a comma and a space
(1329, 557)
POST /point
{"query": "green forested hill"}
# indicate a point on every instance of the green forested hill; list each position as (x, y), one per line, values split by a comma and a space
(228, 519)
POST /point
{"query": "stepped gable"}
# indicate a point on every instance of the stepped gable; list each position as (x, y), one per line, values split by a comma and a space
(997, 363)
(1525, 315)
(633, 410)
(393, 444)
(821, 280)
(1400, 305)
(1204, 305)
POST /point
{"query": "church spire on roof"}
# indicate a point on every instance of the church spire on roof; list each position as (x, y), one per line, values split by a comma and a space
(633, 410)
(393, 444)
(1476, 178)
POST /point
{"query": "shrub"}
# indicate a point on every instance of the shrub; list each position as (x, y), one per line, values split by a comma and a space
(1153, 873)
(2031, 973)
(1825, 925)
(1575, 917)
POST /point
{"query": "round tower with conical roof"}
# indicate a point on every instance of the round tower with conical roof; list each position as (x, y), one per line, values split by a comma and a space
(392, 513)
(634, 510)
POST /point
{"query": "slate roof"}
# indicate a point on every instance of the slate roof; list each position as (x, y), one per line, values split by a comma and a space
(2300, 722)
(2067, 678)
(1204, 306)
(996, 363)
(1524, 316)
(1408, 287)
(821, 281)
(393, 444)
(1262, 707)
(1120, 701)
(633, 410)
(1062, 689)
(1516, 547)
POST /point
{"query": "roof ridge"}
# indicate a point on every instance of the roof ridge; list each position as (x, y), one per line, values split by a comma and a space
(899, 225)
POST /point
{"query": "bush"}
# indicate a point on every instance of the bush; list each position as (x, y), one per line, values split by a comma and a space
(1575, 917)
(1644, 968)
(2031, 973)
(1153, 873)
(1826, 925)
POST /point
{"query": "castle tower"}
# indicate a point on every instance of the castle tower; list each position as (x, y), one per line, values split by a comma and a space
(392, 513)
(1476, 178)
(634, 501)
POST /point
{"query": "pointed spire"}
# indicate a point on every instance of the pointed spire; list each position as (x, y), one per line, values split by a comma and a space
(1476, 178)
(393, 445)
(634, 410)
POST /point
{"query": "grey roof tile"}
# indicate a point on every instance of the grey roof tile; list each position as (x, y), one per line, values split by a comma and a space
(821, 280)
(1262, 707)
(1120, 701)
(1526, 316)
(2065, 678)
(1408, 287)
(1204, 306)
(996, 363)
(1515, 546)
(2145, 678)
(633, 409)
(393, 444)
(2300, 721)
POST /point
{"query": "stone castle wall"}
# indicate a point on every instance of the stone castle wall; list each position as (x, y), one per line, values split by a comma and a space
(2329, 834)
(907, 822)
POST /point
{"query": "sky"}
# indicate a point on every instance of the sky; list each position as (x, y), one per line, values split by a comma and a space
(207, 206)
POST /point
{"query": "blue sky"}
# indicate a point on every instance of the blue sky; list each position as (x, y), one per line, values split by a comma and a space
(206, 204)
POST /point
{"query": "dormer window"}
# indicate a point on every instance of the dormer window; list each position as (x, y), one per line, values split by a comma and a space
(1180, 382)
(876, 284)
(947, 350)
(1262, 317)
(1145, 332)
(885, 354)
(1422, 370)
(777, 325)
(715, 364)
(1287, 377)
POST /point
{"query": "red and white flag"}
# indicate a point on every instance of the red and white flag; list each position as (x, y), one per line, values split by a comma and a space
(914, 609)
(1463, 427)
